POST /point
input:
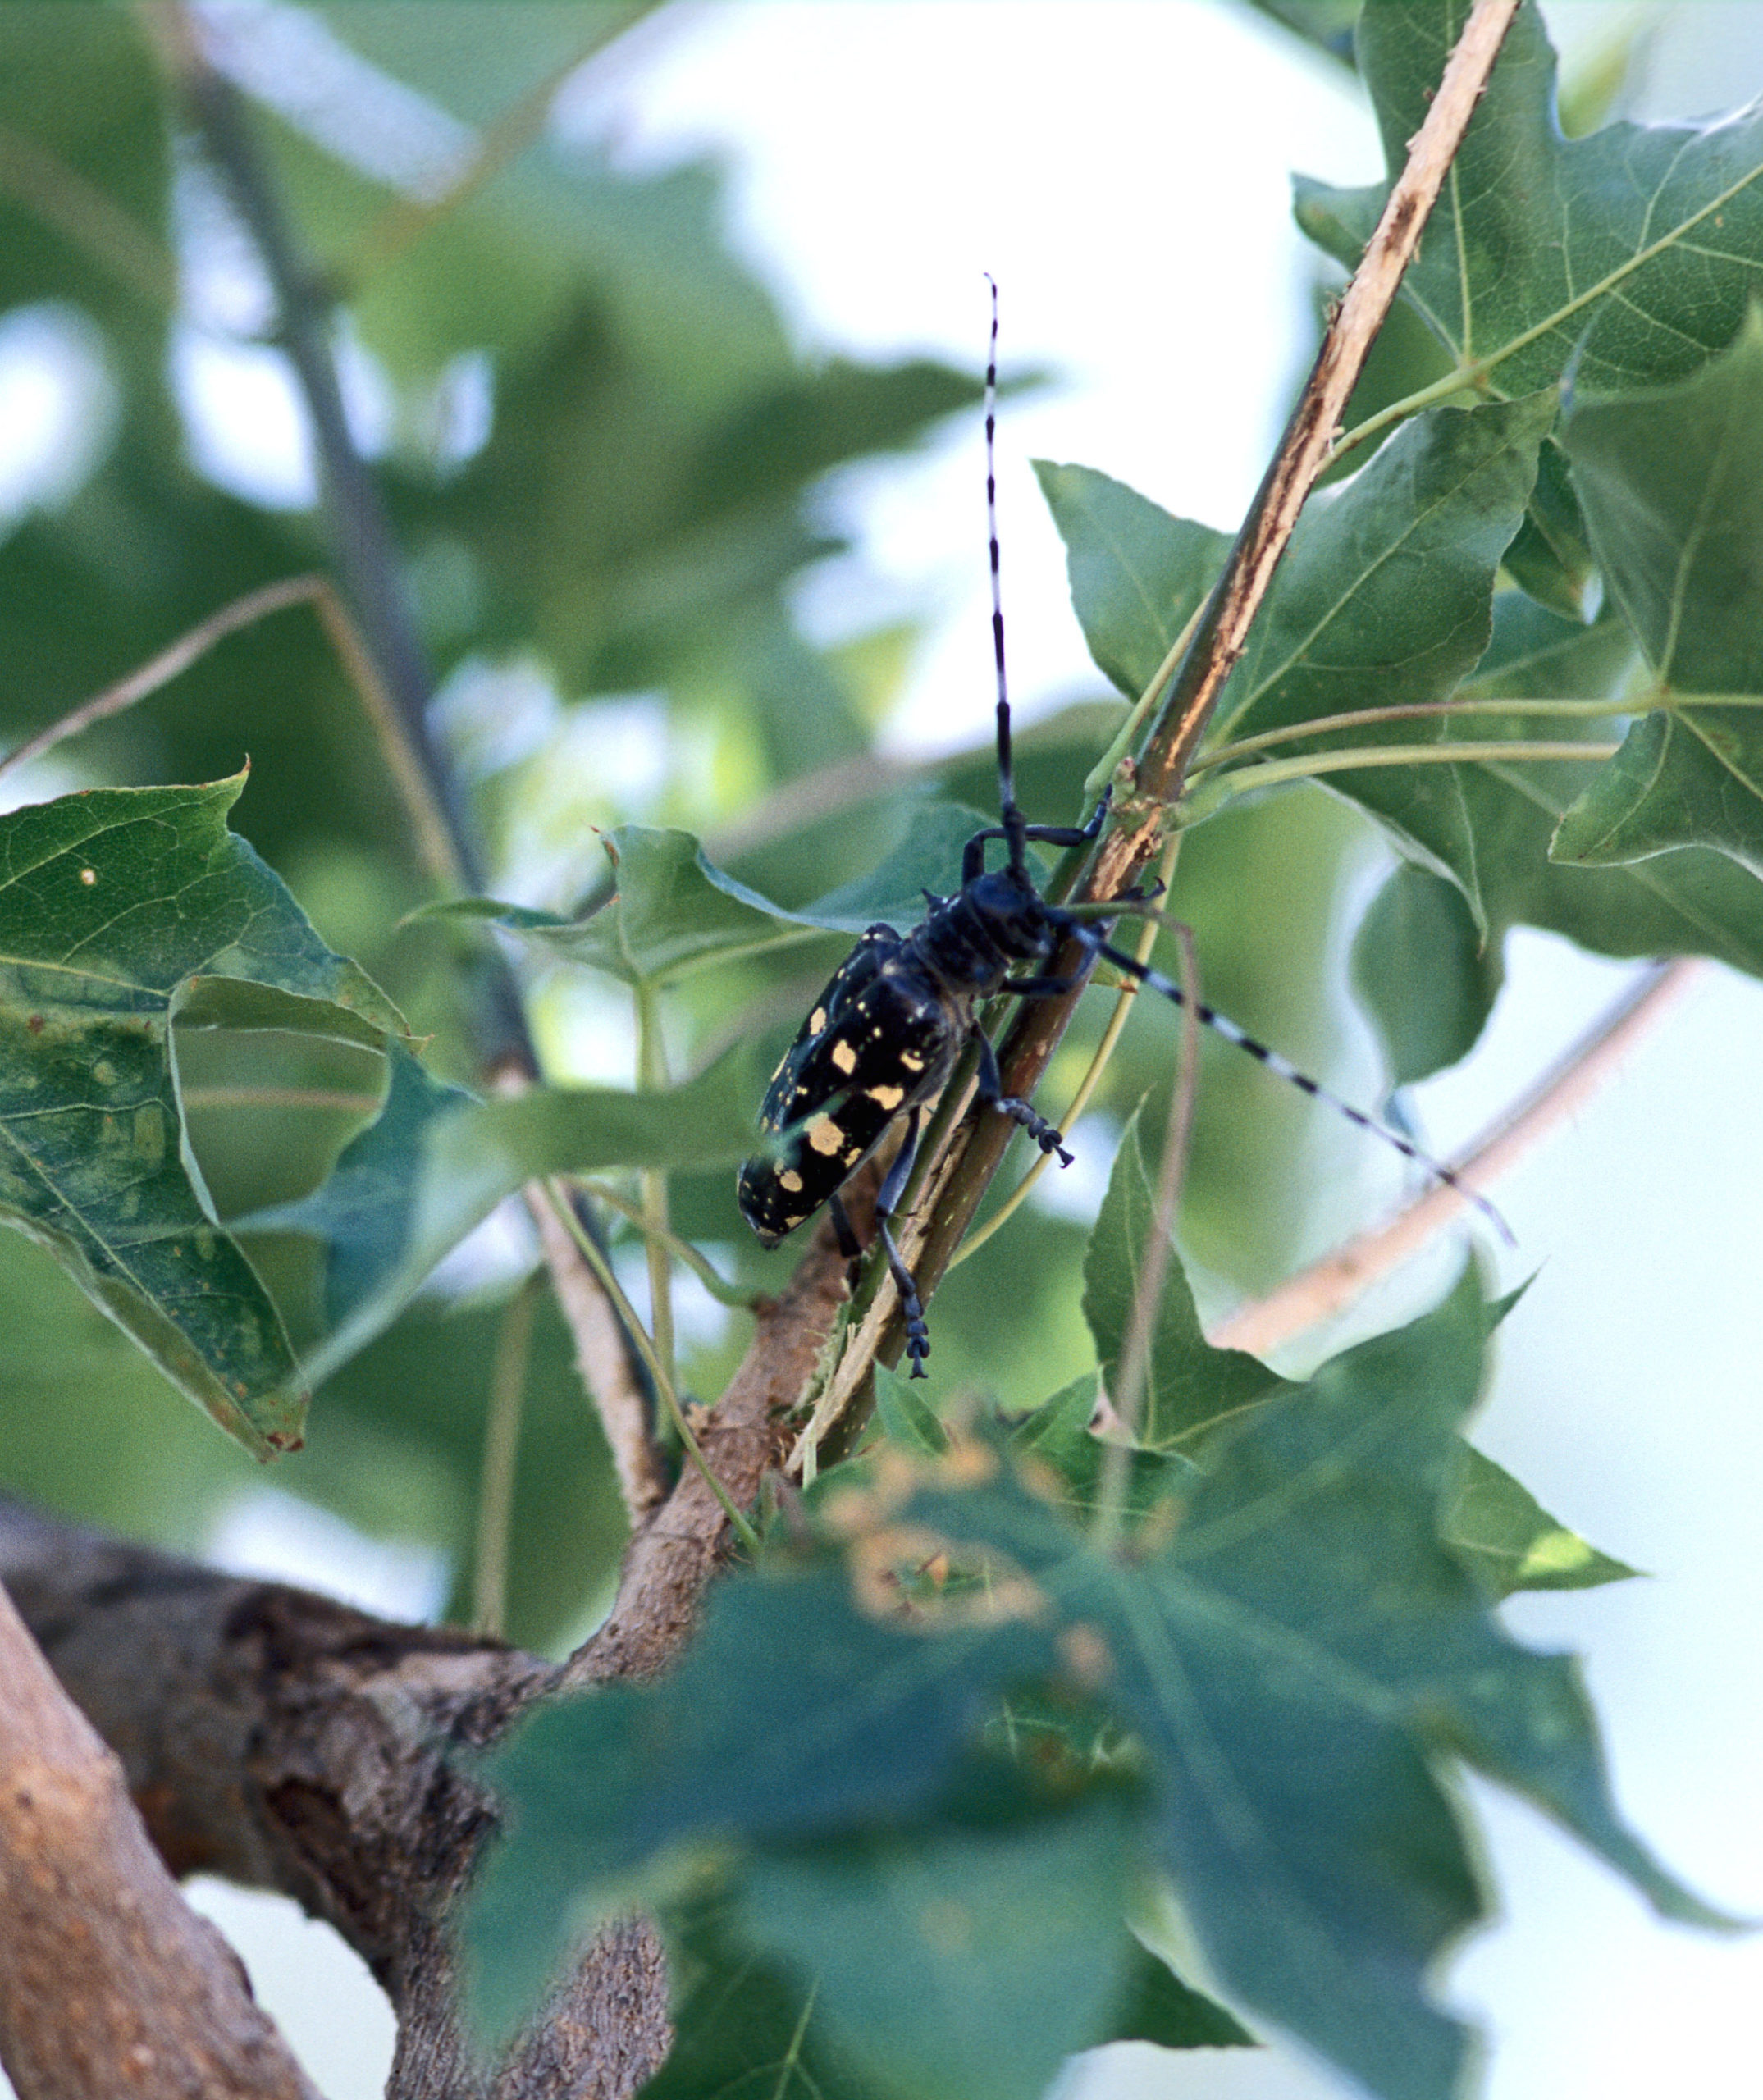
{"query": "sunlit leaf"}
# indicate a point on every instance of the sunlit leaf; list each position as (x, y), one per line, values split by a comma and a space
(1501, 1532)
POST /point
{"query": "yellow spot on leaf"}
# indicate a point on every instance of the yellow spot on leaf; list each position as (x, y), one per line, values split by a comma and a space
(88, 876)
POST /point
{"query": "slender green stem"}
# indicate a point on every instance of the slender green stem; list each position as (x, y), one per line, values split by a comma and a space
(1103, 771)
(1249, 777)
(1461, 380)
(1418, 710)
(682, 1250)
(1133, 1372)
(495, 1479)
(652, 1077)
(664, 1384)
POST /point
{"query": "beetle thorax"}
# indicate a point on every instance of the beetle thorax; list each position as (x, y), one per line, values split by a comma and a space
(973, 940)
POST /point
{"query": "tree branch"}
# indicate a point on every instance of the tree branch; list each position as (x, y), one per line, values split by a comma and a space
(109, 1982)
(1328, 1287)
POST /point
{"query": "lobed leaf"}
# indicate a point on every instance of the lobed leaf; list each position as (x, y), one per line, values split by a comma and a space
(1292, 1645)
(674, 910)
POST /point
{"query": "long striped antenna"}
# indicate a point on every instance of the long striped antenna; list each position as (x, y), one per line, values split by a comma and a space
(1009, 815)
(1221, 1024)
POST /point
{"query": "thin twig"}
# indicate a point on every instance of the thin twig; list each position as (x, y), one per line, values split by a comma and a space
(596, 1260)
(495, 1479)
(160, 669)
(88, 218)
(1303, 449)
(603, 1361)
(1133, 1371)
(393, 675)
(1330, 1286)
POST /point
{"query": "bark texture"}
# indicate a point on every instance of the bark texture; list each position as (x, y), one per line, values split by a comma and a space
(109, 1983)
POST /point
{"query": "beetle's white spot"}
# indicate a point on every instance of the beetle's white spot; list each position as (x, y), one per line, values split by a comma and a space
(791, 1180)
(779, 1073)
(844, 1057)
(850, 1156)
(817, 1020)
(911, 1061)
(887, 1096)
(823, 1136)
(790, 1224)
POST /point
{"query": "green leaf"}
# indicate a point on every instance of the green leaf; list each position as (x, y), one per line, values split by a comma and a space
(1190, 1387)
(1295, 1657)
(1638, 247)
(1385, 595)
(963, 1966)
(1499, 1531)
(745, 2022)
(119, 907)
(1672, 481)
(436, 1162)
(674, 910)
(1423, 973)
(1160, 2008)
(1137, 574)
(906, 1418)
(793, 1712)
(1551, 557)
(1489, 827)
(741, 2024)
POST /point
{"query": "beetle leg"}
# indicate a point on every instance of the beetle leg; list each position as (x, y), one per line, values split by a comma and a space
(917, 1334)
(991, 1083)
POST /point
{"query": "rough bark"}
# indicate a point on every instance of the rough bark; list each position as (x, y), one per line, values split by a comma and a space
(109, 1983)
